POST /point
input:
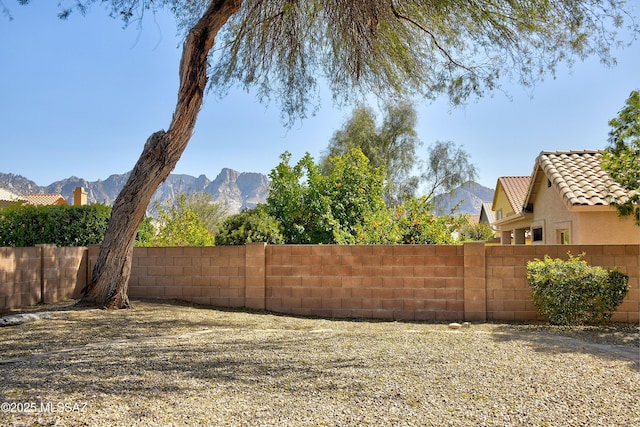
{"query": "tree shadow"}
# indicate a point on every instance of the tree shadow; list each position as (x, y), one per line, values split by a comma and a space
(592, 340)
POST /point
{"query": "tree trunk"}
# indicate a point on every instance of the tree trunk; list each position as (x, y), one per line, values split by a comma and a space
(109, 282)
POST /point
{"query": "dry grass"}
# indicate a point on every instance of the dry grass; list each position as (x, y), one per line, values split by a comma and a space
(167, 363)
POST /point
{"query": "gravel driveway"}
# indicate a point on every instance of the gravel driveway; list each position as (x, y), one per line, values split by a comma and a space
(165, 364)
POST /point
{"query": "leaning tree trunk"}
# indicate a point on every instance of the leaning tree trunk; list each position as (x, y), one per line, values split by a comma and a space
(108, 286)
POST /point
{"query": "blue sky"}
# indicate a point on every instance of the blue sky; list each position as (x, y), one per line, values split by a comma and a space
(80, 97)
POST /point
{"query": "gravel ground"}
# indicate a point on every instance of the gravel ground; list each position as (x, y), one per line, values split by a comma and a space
(165, 364)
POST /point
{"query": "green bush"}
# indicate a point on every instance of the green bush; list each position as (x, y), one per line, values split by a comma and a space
(477, 232)
(254, 225)
(62, 225)
(572, 292)
(179, 225)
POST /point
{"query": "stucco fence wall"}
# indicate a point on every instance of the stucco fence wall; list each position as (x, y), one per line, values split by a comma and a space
(474, 281)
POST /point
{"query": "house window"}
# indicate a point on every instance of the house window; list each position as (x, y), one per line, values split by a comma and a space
(499, 214)
(536, 234)
(564, 237)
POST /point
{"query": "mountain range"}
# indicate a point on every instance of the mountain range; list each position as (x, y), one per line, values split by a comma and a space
(235, 190)
(467, 198)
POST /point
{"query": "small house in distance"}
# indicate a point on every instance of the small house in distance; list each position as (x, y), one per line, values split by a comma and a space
(567, 201)
(39, 199)
(7, 198)
(43, 199)
(508, 201)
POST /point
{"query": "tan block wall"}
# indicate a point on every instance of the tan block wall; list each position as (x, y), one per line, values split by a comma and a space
(64, 272)
(508, 293)
(386, 282)
(204, 275)
(19, 277)
(474, 282)
(25, 272)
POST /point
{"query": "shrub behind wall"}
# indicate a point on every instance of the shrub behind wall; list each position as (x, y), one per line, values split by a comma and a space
(62, 225)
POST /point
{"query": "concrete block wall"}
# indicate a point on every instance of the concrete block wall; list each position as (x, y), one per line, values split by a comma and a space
(474, 281)
(64, 272)
(19, 277)
(44, 273)
(213, 275)
(386, 282)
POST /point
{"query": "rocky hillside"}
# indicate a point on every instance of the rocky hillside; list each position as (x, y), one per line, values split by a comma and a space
(469, 196)
(235, 190)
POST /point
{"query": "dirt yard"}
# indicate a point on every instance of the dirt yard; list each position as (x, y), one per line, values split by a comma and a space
(174, 364)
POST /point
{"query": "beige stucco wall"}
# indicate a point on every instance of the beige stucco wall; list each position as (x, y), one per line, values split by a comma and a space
(606, 228)
(502, 202)
(588, 225)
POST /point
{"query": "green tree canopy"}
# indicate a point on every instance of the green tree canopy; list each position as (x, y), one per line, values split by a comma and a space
(621, 159)
(253, 225)
(317, 208)
(179, 225)
(210, 213)
(390, 145)
(413, 222)
(447, 167)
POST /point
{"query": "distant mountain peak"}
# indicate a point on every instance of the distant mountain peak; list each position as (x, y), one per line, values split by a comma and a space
(235, 190)
(469, 196)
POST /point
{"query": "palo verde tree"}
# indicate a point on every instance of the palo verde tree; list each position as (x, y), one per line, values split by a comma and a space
(283, 48)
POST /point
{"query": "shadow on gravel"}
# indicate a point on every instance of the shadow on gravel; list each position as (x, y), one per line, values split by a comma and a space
(617, 342)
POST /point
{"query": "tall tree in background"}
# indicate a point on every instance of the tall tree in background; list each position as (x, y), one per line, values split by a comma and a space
(621, 159)
(211, 213)
(387, 48)
(391, 146)
(179, 225)
(447, 167)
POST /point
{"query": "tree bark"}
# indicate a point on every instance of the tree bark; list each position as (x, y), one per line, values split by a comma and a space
(110, 278)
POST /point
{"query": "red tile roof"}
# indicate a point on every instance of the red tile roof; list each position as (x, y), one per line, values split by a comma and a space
(516, 189)
(43, 199)
(579, 177)
(8, 196)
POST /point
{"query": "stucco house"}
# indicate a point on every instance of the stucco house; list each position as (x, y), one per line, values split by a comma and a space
(566, 201)
(7, 198)
(43, 199)
(487, 215)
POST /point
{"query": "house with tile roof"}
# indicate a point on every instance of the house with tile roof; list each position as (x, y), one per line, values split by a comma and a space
(508, 202)
(43, 199)
(566, 201)
(7, 198)
(487, 215)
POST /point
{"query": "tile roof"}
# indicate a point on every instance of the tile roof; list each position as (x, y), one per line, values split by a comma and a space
(8, 196)
(579, 177)
(516, 189)
(43, 199)
(486, 208)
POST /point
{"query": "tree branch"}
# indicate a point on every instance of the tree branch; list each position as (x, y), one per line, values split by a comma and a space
(432, 36)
